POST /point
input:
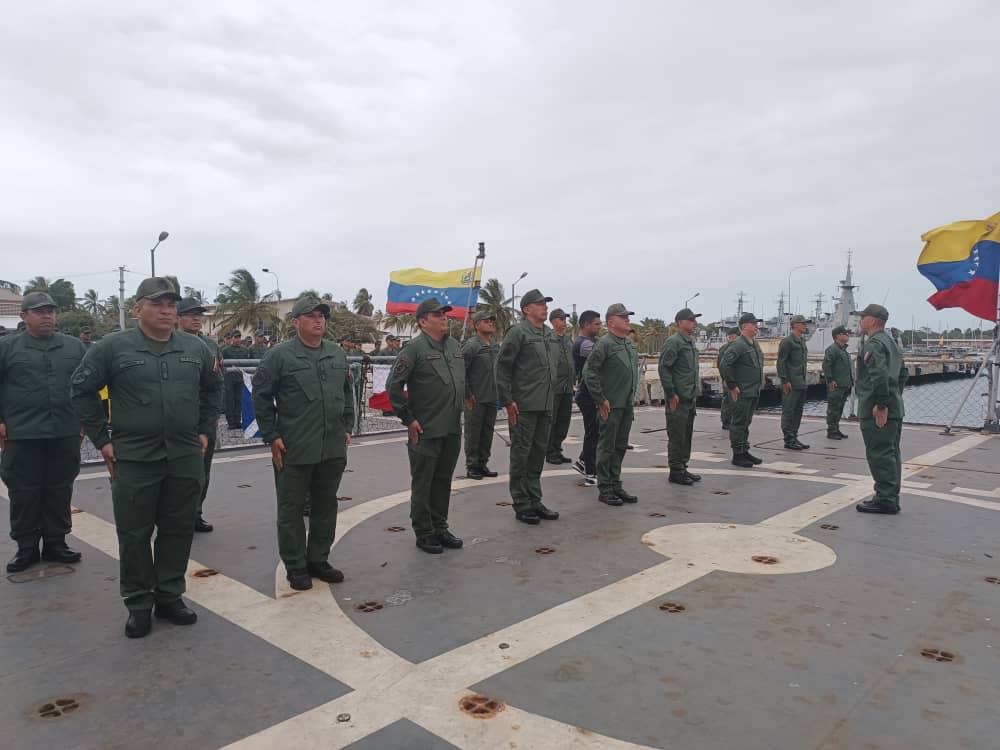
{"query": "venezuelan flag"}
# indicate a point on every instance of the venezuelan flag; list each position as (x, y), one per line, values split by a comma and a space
(962, 260)
(409, 287)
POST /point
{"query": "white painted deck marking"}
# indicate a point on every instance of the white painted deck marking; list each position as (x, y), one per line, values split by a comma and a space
(867, 478)
(712, 458)
(977, 493)
(789, 466)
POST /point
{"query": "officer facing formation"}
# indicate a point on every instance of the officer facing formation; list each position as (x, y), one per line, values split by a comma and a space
(839, 377)
(234, 349)
(525, 374)
(881, 377)
(190, 314)
(164, 389)
(303, 401)
(742, 370)
(681, 381)
(39, 434)
(562, 398)
(480, 355)
(431, 367)
(793, 359)
(612, 377)
(726, 411)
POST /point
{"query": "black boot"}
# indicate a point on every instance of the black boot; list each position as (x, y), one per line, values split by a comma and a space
(430, 544)
(609, 498)
(139, 623)
(876, 506)
(679, 477)
(756, 461)
(544, 513)
(59, 552)
(474, 474)
(177, 612)
(324, 572)
(692, 477)
(448, 540)
(299, 579)
(24, 559)
(742, 460)
(485, 471)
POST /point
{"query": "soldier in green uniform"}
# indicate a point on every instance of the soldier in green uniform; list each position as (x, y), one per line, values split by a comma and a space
(303, 399)
(881, 377)
(681, 380)
(260, 347)
(562, 400)
(431, 367)
(85, 336)
(612, 377)
(793, 359)
(526, 374)
(726, 410)
(742, 370)
(480, 355)
(39, 433)
(164, 389)
(190, 314)
(234, 349)
(839, 377)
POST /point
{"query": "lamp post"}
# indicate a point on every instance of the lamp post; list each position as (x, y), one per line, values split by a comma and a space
(794, 268)
(513, 297)
(152, 253)
(688, 300)
(277, 281)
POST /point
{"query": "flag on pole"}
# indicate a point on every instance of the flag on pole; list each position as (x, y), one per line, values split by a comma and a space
(380, 396)
(411, 286)
(962, 260)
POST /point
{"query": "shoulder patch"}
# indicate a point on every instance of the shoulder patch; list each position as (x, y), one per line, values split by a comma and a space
(262, 377)
(868, 356)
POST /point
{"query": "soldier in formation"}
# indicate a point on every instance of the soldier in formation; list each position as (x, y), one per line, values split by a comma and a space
(839, 377)
(480, 355)
(234, 349)
(726, 409)
(793, 360)
(562, 396)
(586, 464)
(681, 380)
(742, 371)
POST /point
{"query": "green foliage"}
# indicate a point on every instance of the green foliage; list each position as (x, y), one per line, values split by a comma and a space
(62, 291)
(71, 321)
(240, 304)
(493, 299)
(363, 302)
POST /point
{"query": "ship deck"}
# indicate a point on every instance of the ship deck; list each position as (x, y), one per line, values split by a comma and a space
(754, 610)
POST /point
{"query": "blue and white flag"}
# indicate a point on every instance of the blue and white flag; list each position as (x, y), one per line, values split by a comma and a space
(249, 419)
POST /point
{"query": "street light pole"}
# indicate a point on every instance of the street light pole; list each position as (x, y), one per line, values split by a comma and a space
(513, 297)
(277, 281)
(688, 300)
(795, 268)
(152, 253)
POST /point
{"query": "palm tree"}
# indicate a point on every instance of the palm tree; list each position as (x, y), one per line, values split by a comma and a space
(92, 303)
(493, 299)
(241, 304)
(400, 321)
(196, 294)
(62, 291)
(37, 284)
(652, 333)
(363, 302)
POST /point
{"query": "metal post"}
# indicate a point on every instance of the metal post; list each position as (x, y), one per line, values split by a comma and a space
(992, 412)
(473, 285)
(988, 360)
(121, 297)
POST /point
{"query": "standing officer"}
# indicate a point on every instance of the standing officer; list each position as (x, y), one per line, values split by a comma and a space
(85, 336)
(612, 377)
(234, 349)
(480, 355)
(726, 411)
(260, 347)
(39, 433)
(304, 402)
(837, 372)
(881, 377)
(562, 399)
(526, 375)
(681, 381)
(432, 368)
(793, 359)
(164, 390)
(742, 370)
(590, 327)
(189, 320)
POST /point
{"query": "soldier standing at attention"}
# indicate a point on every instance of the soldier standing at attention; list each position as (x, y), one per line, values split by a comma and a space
(85, 336)
(562, 399)
(590, 327)
(881, 377)
(234, 349)
(726, 411)
(164, 388)
(742, 370)
(431, 367)
(681, 381)
(526, 375)
(612, 377)
(260, 347)
(837, 372)
(189, 320)
(793, 359)
(39, 433)
(480, 354)
(303, 400)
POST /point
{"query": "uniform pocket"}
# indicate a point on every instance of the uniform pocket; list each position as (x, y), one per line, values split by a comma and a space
(307, 383)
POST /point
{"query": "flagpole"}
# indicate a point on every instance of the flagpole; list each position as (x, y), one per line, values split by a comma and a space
(477, 268)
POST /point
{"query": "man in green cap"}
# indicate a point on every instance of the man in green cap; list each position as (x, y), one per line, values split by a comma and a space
(303, 399)
(259, 348)
(681, 380)
(234, 349)
(39, 433)
(164, 389)
(562, 399)
(881, 377)
(742, 370)
(432, 369)
(612, 377)
(793, 359)
(839, 376)
(480, 355)
(190, 318)
(526, 375)
(726, 409)
(85, 336)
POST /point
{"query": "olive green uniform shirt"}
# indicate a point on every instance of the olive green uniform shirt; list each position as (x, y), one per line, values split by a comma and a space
(235, 352)
(34, 385)
(679, 373)
(837, 366)
(305, 396)
(258, 352)
(793, 358)
(480, 362)
(526, 368)
(433, 372)
(881, 376)
(612, 371)
(743, 365)
(562, 350)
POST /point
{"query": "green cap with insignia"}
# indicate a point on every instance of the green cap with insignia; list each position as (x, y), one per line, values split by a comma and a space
(305, 305)
(839, 330)
(156, 287)
(430, 305)
(557, 313)
(750, 318)
(532, 296)
(734, 331)
(618, 310)
(686, 314)
(874, 311)
(34, 300)
(190, 305)
(85, 329)
(480, 315)
(798, 319)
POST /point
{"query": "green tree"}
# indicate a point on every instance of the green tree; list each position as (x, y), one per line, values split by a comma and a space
(61, 291)
(400, 322)
(11, 286)
(196, 294)
(363, 302)
(241, 305)
(71, 321)
(652, 333)
(493, 299)
(92, 303)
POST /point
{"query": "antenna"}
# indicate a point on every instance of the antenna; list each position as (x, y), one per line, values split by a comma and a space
(740, 299)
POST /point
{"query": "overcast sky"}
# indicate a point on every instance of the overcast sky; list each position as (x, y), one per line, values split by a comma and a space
(628, 151)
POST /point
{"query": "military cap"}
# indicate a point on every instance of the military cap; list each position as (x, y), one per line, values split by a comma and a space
(430, 305)
(306, 305)
(532, 296)
(85, 329)
(839, 330)
(190, 305)
(618, 309)
(750, 318)
(236, 333)
(686, 314)
(734, 331)
(875, 311)
(480, 315)
(156, 287)
(34, 300)
(798, 319)
(390, 337)
(557, 313)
